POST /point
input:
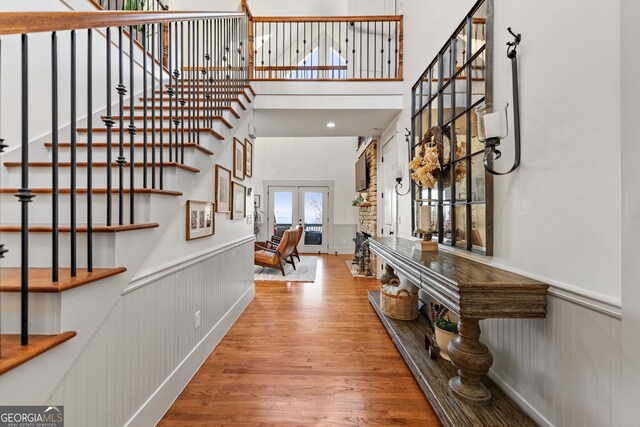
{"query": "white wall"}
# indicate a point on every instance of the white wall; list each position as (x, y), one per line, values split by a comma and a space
(324, 159)
(557, 218)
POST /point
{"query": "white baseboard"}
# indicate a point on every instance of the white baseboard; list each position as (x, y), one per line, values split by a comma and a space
(520, 401)
(161, 400)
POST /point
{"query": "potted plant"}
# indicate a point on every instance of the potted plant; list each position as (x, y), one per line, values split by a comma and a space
(446, 330)
(357, 201)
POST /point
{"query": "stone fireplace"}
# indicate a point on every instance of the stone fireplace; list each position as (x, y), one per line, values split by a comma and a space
(368, 216)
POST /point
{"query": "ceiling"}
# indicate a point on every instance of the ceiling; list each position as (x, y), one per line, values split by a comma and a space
(307, 122)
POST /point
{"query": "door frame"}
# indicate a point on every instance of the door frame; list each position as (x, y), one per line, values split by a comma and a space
(303, 183)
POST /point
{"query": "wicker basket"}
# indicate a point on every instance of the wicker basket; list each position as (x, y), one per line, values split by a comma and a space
(402, 306)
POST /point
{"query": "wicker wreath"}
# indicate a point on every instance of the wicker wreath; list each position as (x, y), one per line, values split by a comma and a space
(430, 159)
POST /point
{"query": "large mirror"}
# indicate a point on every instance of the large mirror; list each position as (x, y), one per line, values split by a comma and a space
(459, 206)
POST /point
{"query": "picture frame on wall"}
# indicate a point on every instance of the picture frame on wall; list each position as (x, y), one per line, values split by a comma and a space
(200, 219)
(256, 201)
(238, 201)
(238, 158)
(248, 156)
(223, 189)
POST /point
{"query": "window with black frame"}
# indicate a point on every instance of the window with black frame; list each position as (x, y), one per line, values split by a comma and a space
(459, 206)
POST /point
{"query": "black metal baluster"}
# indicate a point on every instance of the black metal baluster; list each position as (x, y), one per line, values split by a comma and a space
(170, 94)
(24, 196)
(153, 106)
(132, 132)
(190, 76)
(161, 78)
(109, 122)
(382, 50)
(389, 51)
(55, 255)
(74, 143)
(182, 100)
(89, 150)
(396, 53)
(122, 90)
(353, 53)
(197, 88)
(375, 48)
(368, 48)
(174, 88)
(346, 49)
(145, 94)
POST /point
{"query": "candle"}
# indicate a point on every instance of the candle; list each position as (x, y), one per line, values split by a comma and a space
(492, 125)
(425, 217)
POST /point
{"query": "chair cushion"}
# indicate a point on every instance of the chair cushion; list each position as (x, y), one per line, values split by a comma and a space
(265, 257)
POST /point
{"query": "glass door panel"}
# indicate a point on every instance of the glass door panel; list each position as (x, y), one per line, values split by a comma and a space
(313, 209)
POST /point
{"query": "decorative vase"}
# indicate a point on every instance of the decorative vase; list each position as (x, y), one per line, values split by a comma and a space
(442, 338)
(364, 196)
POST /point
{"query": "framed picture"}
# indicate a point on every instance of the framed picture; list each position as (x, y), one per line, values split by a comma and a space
(201, 221)
(256, 201)
(238, 201)
(238, 159)
(223, 189)
(248, 156)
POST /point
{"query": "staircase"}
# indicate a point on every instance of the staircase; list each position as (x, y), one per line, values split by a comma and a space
(86, 214)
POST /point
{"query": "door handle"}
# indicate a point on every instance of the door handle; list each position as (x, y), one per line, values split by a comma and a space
(391, 233)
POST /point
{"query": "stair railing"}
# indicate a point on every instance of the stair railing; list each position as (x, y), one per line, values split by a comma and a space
(361, 48)
(206, 68)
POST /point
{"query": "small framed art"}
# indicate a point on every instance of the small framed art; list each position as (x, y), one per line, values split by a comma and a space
(248, 156)
(238, 159)
(223, 189)
(256, 201)
(238, 201)
(200, 219)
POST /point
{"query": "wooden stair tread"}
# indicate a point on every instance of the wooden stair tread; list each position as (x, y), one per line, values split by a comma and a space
(40, 278)
(149, 130)
(203, 90)
(157, 107)
(141, 117)
(80, 228)
(102, 165)
(14, 354)
(202, 100)
(96, 191)
(127, 144)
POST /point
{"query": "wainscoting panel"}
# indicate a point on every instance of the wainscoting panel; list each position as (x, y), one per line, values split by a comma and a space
(560, 369)
(149, 337)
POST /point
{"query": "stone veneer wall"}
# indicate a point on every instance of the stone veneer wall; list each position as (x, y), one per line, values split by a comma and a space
(369, 212)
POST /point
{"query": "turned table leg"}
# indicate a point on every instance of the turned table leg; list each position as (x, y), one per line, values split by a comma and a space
(473, 360)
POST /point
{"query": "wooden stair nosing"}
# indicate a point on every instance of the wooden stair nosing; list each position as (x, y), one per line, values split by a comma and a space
(157, 107)
(103, 165)
(202, 100)
(149, 130)
(40, 278)
(80, 228)
(127, 144)
(14, 354)
(158, 191)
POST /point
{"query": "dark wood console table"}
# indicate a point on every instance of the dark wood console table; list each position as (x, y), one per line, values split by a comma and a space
(471, 290)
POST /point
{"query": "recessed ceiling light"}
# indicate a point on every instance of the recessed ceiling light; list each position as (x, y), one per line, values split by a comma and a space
(331, 125)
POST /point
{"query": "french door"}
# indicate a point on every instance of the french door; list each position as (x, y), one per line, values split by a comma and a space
(306, 206)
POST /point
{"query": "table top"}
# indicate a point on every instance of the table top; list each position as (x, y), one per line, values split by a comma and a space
(466, 286)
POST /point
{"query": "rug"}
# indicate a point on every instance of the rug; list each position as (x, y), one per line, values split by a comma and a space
(353, 268)
(305, 271)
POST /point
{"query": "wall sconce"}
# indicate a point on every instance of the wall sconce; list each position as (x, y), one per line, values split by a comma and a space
(492, 117)
(399, 174)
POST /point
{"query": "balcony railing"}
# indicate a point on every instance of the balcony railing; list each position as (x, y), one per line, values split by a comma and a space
(326, 48)
(312, 232)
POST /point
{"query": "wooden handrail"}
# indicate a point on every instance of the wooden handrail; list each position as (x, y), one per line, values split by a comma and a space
(375, 18)
(301, 68)
(39, 22)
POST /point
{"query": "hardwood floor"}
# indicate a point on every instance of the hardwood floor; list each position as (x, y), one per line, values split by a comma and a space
(305, 354)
